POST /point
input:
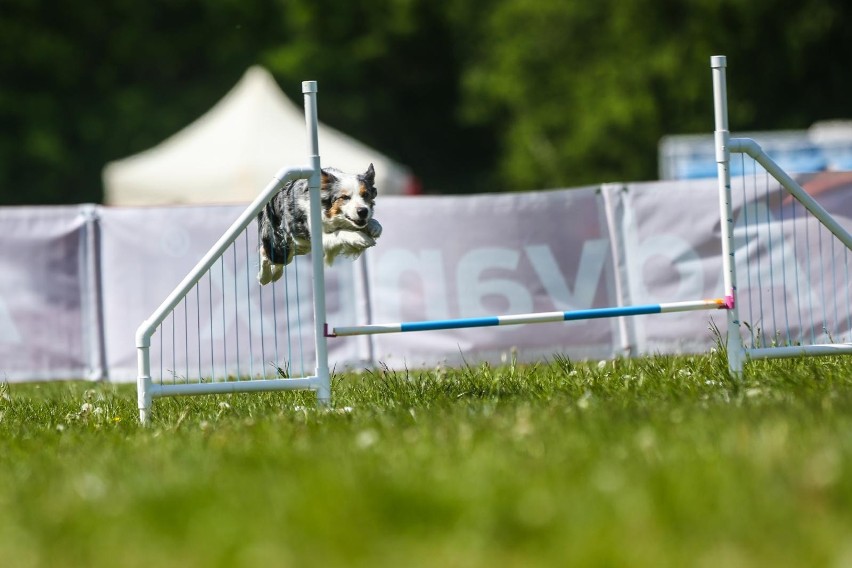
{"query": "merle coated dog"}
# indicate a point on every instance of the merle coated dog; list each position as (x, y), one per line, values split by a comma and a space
(348, 226)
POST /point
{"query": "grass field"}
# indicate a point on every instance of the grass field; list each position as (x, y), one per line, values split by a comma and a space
(661, 461)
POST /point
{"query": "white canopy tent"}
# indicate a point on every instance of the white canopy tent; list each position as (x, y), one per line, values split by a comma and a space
(231, 153)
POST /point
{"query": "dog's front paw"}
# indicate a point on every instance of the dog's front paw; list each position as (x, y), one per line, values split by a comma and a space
(264, 273)
(264, 277)
(346, 243)
(353, 243)
(269, 271)
(374, 229)
(358, 240)
(276, 270)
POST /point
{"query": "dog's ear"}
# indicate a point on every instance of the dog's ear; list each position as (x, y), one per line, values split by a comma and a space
(327, 178)
(370, 175)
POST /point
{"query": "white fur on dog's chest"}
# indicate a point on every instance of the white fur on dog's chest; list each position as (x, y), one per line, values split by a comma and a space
(350, 243)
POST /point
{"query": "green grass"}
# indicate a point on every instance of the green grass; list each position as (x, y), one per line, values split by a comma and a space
(661, 461)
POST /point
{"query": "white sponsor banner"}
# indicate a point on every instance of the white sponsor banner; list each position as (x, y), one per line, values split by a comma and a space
(670, 234)
(487, 255)
(45, 295)
(76, 282)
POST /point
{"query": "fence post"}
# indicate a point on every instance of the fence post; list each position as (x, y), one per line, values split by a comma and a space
(309, 89)
(736, 352)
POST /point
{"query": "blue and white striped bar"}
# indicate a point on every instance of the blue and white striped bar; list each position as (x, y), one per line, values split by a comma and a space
(541, 317)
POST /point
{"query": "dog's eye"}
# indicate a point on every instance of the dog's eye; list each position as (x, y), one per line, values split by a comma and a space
(345, 197)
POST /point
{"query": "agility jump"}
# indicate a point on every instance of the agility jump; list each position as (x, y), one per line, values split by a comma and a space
(738, 350)
(320, 379)
(185, 330)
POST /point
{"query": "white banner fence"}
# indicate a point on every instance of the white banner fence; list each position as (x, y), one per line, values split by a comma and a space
(76, 281)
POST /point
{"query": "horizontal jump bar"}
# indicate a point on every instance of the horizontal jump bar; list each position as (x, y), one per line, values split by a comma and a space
(799, 351)
(228, 387)
(540, 317)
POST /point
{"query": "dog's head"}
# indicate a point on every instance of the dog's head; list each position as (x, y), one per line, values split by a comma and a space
(347, 199)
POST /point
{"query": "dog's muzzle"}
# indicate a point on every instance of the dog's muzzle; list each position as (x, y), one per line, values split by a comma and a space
(363, 218)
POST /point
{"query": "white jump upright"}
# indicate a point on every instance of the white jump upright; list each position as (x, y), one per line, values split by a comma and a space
(779, 327)
(319, 381)
(722, 137)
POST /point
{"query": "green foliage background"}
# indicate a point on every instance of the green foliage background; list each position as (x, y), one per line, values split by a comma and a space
(473, 95)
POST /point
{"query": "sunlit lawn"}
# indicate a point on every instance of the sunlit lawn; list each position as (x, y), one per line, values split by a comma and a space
(657, 461)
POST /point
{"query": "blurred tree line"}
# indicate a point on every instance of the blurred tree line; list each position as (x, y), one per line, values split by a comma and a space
(473, 95)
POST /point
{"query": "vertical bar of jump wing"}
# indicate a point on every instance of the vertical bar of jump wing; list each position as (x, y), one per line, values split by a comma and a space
(309, 89)
(736, 352)
(143, 382)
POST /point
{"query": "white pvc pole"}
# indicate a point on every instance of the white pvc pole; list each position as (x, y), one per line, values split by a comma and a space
(736, 353)
(800, 351)
(226, 387)
(309, 89)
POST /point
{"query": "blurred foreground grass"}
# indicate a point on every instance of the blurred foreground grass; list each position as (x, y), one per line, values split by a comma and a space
(661, 461)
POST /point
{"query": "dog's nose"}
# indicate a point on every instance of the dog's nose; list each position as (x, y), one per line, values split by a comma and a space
(362, 212)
